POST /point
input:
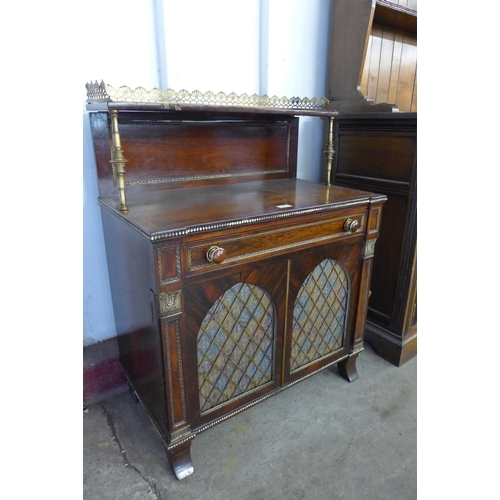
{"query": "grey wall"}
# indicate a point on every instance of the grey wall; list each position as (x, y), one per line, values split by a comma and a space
(274, 47)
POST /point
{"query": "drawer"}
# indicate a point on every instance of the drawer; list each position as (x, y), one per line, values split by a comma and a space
(222, 251)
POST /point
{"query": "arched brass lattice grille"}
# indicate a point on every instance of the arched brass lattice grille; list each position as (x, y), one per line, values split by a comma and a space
(319, 314)
(236, 345)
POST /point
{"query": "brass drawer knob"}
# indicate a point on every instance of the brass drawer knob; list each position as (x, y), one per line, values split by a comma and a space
(351, 225)
(216, 255)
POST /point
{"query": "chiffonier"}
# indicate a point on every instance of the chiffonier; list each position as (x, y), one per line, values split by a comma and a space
(231, 278)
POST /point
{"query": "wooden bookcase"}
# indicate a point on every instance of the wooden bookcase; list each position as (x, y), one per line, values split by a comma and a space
(373, 56)
(372, 83)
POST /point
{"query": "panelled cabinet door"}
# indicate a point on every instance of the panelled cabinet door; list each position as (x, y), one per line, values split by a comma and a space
(236, 323)
(324, 286)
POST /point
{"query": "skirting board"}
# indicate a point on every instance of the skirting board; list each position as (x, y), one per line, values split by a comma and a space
(102, 375)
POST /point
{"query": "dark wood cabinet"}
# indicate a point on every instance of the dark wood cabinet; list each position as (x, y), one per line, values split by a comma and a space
(231, 278)
(372, 77)
(379, 152)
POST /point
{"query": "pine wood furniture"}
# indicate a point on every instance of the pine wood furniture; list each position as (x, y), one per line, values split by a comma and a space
(373, 56)
(231, 278)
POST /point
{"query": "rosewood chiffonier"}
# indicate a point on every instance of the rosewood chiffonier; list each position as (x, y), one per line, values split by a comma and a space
(231, 278)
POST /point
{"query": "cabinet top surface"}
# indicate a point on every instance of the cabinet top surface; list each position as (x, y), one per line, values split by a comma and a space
(165, 214)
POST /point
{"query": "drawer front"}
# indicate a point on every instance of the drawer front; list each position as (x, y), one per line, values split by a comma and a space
(257, 245)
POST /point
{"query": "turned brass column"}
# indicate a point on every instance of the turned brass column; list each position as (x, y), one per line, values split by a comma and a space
(118, 160)
(329, 151)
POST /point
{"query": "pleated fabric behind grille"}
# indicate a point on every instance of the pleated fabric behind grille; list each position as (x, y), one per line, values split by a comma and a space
(320, 314)
(236, 345)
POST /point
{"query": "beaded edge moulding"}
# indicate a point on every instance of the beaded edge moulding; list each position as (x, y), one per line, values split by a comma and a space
(99, 92)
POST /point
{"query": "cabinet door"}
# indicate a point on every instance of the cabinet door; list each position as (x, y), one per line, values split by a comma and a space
(233, 345)
(323, 297)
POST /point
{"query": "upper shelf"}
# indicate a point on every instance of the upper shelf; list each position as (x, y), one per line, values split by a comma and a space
(363, 25)
(395, 16)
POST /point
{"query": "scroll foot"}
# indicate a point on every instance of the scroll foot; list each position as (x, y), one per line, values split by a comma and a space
(347, 368)
(180, 459)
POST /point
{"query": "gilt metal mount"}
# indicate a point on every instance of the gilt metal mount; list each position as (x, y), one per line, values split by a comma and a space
(99, 92)
(170, 303)
(329, 152)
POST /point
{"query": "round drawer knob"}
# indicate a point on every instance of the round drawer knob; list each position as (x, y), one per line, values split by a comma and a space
(351, 225)
(216, 255)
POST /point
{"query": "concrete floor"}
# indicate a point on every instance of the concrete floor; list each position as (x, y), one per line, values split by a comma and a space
(322, 439)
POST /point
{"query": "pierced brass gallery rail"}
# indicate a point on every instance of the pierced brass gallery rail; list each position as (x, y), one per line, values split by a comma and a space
(104, 92)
